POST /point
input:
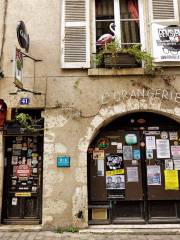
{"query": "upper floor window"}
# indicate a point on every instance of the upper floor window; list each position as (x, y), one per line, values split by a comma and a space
(117, 19)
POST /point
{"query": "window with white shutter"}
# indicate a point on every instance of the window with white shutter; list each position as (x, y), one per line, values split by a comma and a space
(165, 30)
(75, 39)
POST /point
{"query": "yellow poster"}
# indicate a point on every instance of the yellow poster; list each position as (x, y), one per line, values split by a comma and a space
(23, 194)
(114, 172)
(171, 180)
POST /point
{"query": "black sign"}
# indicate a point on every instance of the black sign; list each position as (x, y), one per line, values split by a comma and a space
(23, 37)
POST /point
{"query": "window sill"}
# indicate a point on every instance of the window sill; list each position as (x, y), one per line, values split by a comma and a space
(115, 72)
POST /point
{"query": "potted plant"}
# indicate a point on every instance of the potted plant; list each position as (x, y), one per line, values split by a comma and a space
(114, 56)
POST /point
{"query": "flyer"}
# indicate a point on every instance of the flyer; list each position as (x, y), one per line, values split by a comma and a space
(127, 153)
(163, 150)
(173, 135)
(169, 164)
(98, 154)
(176, 164)
(153, 175)
(100, 167)
(115, 182)
(149, 153)
(171, 180)
(136, 154)
(175, 150)
(132, 174)
(150, 142)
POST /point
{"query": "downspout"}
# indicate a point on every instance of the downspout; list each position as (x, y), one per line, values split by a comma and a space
(3, 36)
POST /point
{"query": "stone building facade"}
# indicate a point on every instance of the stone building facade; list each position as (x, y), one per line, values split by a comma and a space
(77, 100)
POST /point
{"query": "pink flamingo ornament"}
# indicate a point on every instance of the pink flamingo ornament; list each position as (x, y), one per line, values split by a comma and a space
(107, 37)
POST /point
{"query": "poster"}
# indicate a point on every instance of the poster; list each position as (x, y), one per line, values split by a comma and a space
(171, 180)
(114, 162)
(150, 142)
(176, 164)
(100, 167)
(173, 135)
(115, 182)
(97, 154)
(175, 150)
(166, 43)
(115, 172)
(136, 154)
(127, 153)
(153, 175)
(132, 174)
(149, 154)
(163, 150)
(169, 164)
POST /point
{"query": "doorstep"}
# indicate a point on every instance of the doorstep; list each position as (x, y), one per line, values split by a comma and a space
(144, 229)
(25, 228)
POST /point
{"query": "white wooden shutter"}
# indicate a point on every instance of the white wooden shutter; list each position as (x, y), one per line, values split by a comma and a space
(75, 38)
(164, 11)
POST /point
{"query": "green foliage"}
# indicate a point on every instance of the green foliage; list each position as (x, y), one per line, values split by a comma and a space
(134, 50)
(70, 229)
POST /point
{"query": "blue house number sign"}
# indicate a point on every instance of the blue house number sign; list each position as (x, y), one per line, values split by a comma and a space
(24, 101)
(63, 161)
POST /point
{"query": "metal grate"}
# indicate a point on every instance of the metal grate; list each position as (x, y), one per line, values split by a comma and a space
(163, 9)
(75, 10)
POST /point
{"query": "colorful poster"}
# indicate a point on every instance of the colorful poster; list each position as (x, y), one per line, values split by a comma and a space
(171, 180)
(132, 174)
(114, 162)
(150, 142)
(136, 154)
(166, 44)
(163, 150)
(173, 135)
(127, 153)
(115, 182)
(175, 150)
(153, 175)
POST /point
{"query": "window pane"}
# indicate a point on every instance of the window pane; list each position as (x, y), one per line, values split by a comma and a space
(129, 21)
(104, 9)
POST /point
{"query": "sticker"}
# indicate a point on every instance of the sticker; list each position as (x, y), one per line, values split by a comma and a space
(171, 180)
(119, 146)
(14, 182)
(29, 161)
(175, 150)
(114, 143)
(14, 201)
(23, 194)
(24, 148)
(127, 153)
(34, 154)
(34, 170)
(29, 153)
(136, 154)
(119, 151)
(142, 144)
(35, 161)
(134, 162)
(153, 128)
(115, 182)
(34, 188)
(149, 154)
(132, 174)
(9, 149)
(115, 172)
(24, 160)
(103, 143)
(169, 164)
(173, 135)
(150, 142)
(98, 154)
(153, 175)
(164, 135)
(16, 152)
(131, 139)
(163, 150)
(14, 160)
(23, 171)
(114, 162)
(152, 133)
(141, 121)
(17, 146)
(176, 143)
(100, 167)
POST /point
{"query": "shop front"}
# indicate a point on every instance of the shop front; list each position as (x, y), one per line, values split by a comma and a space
(133, 171)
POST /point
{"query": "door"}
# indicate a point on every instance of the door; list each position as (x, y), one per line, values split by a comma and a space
(22, 195)
(135, 171)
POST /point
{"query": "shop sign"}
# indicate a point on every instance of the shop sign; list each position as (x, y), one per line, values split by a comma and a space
(23, 171)
(63, 161)
(166, 44)
(18, 68)
(22, 36)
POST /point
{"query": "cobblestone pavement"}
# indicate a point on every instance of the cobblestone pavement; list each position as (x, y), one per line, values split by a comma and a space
(48, 235)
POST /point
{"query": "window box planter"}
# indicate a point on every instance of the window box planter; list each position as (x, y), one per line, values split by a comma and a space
(120, 60)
